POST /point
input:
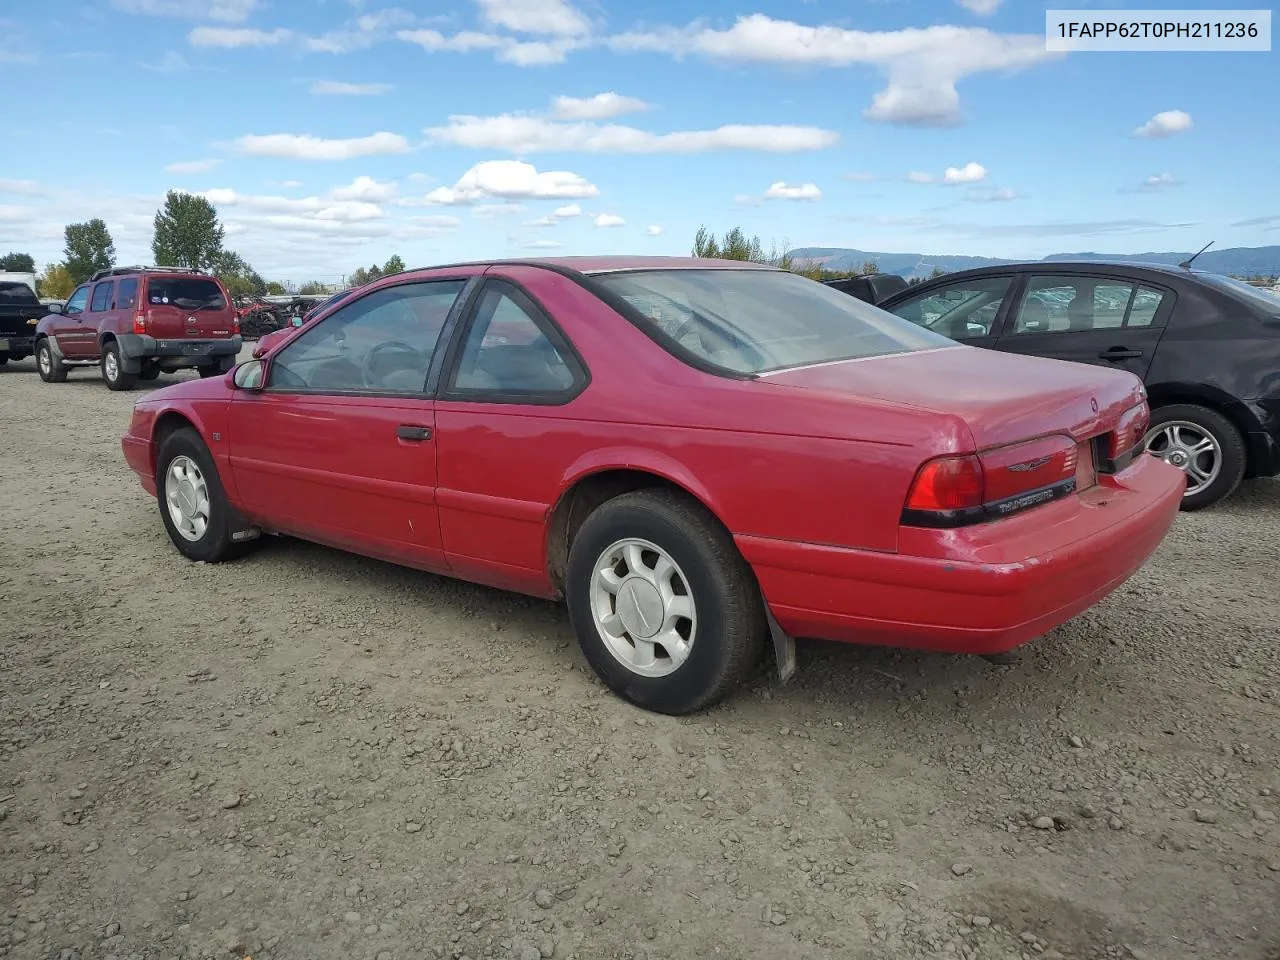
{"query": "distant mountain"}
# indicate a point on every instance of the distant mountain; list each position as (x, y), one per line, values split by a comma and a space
(1237, 261)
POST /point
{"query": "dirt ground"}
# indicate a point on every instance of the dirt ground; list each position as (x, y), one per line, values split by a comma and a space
(307, 755)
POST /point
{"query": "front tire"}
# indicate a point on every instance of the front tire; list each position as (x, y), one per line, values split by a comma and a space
(665, 608)
(1202, 443)
(113, 371)
(51, 369)
(193, 505)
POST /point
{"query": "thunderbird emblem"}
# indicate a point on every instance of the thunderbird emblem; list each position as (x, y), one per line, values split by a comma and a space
(1028, 465)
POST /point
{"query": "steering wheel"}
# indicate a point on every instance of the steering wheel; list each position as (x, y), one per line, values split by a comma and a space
(398, 346)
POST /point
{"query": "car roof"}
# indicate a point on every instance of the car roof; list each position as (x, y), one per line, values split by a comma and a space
(612, 264)
(1137, 268)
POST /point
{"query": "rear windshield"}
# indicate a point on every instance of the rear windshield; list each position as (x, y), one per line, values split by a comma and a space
(1260, 297)
(757, 321)
(188, 293)
(17, 294)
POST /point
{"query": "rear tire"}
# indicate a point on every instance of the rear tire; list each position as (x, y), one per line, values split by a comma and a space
(653, 563)
(206, 372)
(193, 504)
(113, 369)
(50, 368)
(4, 359)
(1178, 430)
(149, 371)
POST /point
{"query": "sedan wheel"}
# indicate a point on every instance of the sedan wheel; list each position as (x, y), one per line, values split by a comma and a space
(1203, 444)
(642, 608)
(665, 609)
(193, 507)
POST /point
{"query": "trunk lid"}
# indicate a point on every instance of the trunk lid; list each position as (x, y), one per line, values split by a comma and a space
(187, 307)
(1003, 398)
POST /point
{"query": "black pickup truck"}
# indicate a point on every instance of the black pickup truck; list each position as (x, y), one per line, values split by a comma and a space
(20, 311)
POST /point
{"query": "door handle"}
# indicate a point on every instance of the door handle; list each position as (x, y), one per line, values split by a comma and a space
(411, 431)
(1119, 353)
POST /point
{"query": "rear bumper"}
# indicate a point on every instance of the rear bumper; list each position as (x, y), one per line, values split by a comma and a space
(13, 346)
(984, 589)
(135, 347)
(1264, 442)
(137, 453)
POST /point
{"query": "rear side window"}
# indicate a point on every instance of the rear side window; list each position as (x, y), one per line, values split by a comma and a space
(185, 293)
(102, 296)
(127, 293)
(15, 294)
(1146, 304)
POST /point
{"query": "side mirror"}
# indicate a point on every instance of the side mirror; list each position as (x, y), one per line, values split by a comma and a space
(54, 308)
(249, 375)
(296, 321)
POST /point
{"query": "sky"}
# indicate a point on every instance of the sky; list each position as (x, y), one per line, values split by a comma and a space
(332, 134)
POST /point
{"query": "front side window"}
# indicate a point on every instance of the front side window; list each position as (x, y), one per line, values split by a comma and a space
(961, 310)
(755, 321)
(102, 296)
(507, 353)
(380, 343)
(77, 300)
(185, 293)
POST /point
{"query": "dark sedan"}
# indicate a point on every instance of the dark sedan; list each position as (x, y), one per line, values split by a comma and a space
(1206, 346)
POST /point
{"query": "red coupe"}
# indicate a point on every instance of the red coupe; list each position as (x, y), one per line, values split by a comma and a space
(704, 458)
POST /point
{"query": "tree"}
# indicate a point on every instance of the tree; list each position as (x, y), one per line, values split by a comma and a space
(89, 248)
(275, 288)
(188, 233)
(393, 266)
(240, 279)
(56, 282)
(363, 275)
(311, 288)
(18, 262)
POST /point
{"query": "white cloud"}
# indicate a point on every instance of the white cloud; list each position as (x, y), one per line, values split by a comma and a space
(294, 146)
(232, 37)
(364, 188)
(512, 179)
(227, 11)
(192, 166)
(339, 88)
(551, 17)
(992, 195)
(1154, 184)
(318, 208)
(22, 188)
(489, 210)
(983, 8)
(558, 215)
(171, 62)
(917, 176)
(654, 231)
(362, 33)
(970, 173)
(603, 106)
(544, 244)
(1165, 124)
(420, 177)
(609, 220)
(521, 53)
(526, 134)
(787, 191)
(923, 65)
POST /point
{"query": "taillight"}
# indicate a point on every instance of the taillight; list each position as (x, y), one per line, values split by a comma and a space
(955, 491)
(235, 322)
(139, 323)
(1124, 442)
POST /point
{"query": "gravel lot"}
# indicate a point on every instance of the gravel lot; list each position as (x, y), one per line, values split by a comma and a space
(308, 755)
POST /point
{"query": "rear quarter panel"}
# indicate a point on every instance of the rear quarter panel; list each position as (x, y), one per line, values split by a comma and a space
(767, 460)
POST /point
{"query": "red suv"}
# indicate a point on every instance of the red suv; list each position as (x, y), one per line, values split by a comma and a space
(139, 322)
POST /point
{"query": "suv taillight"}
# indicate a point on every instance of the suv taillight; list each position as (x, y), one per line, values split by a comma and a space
(140, 323)
(957, 491)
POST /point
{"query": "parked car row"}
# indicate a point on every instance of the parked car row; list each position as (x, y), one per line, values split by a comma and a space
(704, 459)
(1207, 347)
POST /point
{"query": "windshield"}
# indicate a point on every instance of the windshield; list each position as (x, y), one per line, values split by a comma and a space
(1261, 297)
(15, 294)
(757, 321)
(188, 293)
